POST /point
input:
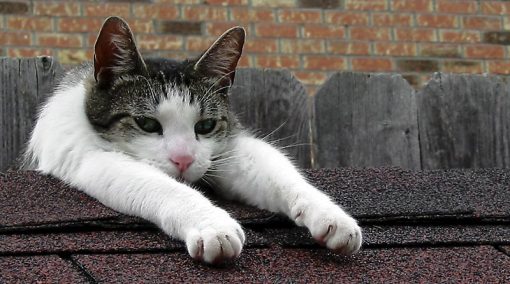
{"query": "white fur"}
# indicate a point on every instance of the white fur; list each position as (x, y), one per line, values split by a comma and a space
(139, 180)
(262, 176)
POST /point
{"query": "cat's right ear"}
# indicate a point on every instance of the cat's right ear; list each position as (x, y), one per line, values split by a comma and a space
(115, 52)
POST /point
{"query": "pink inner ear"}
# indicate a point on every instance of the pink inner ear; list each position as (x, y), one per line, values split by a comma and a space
(222, 57)
(115, 50)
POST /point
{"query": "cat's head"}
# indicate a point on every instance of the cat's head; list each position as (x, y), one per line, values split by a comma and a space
(171, 114)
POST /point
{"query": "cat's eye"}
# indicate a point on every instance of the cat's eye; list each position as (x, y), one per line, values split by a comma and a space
(205, 126)
(148, 124)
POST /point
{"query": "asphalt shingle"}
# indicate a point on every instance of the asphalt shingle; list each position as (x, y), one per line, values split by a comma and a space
(418, 226)
(40, 268)
(431, 265)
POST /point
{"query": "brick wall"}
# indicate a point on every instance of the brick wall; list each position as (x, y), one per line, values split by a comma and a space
(310, 37)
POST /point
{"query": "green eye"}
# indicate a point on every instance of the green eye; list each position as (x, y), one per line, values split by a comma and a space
(148, 124)
(205, 126)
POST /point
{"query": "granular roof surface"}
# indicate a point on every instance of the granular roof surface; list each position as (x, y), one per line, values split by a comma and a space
(419, 226)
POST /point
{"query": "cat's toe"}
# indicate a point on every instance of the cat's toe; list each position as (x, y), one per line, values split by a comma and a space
(337, 231)
(215, 246)
(346, 240)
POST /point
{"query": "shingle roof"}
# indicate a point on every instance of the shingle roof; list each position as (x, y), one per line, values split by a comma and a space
(437, 226)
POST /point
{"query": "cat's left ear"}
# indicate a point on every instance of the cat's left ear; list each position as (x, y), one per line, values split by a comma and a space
(220, 60)
(115, 52)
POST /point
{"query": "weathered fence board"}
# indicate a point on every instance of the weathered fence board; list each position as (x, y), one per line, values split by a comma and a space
(275, 105)
(24, 83)
(465, 122)
(359, 120)
(366, 120)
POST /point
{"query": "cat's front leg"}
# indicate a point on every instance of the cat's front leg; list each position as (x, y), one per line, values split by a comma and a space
(259, 174)
(138, 189)
(329, 224)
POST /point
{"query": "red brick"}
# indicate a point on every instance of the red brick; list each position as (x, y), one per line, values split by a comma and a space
(106, 9)
(40, 24)
(346, 18)
(387, 19)
(367, 5)
(462, 66)
(440, 50)
(74, 56)
(155, 11)
(141, 25)
(395, 49)
(323, 4)
(499, 67)
(176, 55)
(323, 31)
(159, 42)
(322, 62)
(47, 8)
(226, 2)
(415, 34)
(412, 5)
(482, 23)
(218, 28)
(60, 40)
(417, 65)
(300, 16)
(494, 7)
(80, 24)
(370, 33)
(457, 6)
(15, 38)
(187, 2)
(437, 21)
(276, 30)
(460, 36)
(301, 46)
(28, 52)
(14, 7)
(273, 3)
(199, 44)
(244, 61)
(371, 64)
(277, 61)
(311, 78)
(255, 15)
(183, 27)
(485, 51)
(261, 45)
(91, 39)
(205, 13)
(349, 47)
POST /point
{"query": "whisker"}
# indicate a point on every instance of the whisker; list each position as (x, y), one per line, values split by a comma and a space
(206, 181)
(295, 145)
(275, 130)
(212, 175)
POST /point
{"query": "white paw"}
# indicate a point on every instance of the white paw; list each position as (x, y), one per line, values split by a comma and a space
(216, 242)
(329, 225)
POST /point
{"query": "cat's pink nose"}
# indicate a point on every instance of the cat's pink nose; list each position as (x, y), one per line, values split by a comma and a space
(182, 162)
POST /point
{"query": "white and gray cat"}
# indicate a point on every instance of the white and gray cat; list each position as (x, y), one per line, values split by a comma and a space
(136, 134)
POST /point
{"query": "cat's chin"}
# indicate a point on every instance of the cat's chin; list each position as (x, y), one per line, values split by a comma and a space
(186, 178)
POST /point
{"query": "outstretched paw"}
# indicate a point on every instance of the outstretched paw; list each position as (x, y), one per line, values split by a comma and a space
(216, 243)
(329, 225)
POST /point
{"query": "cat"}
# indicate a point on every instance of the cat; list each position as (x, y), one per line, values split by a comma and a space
(136, 134)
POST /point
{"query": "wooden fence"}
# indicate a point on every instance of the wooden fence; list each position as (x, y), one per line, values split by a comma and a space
(355, 119)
